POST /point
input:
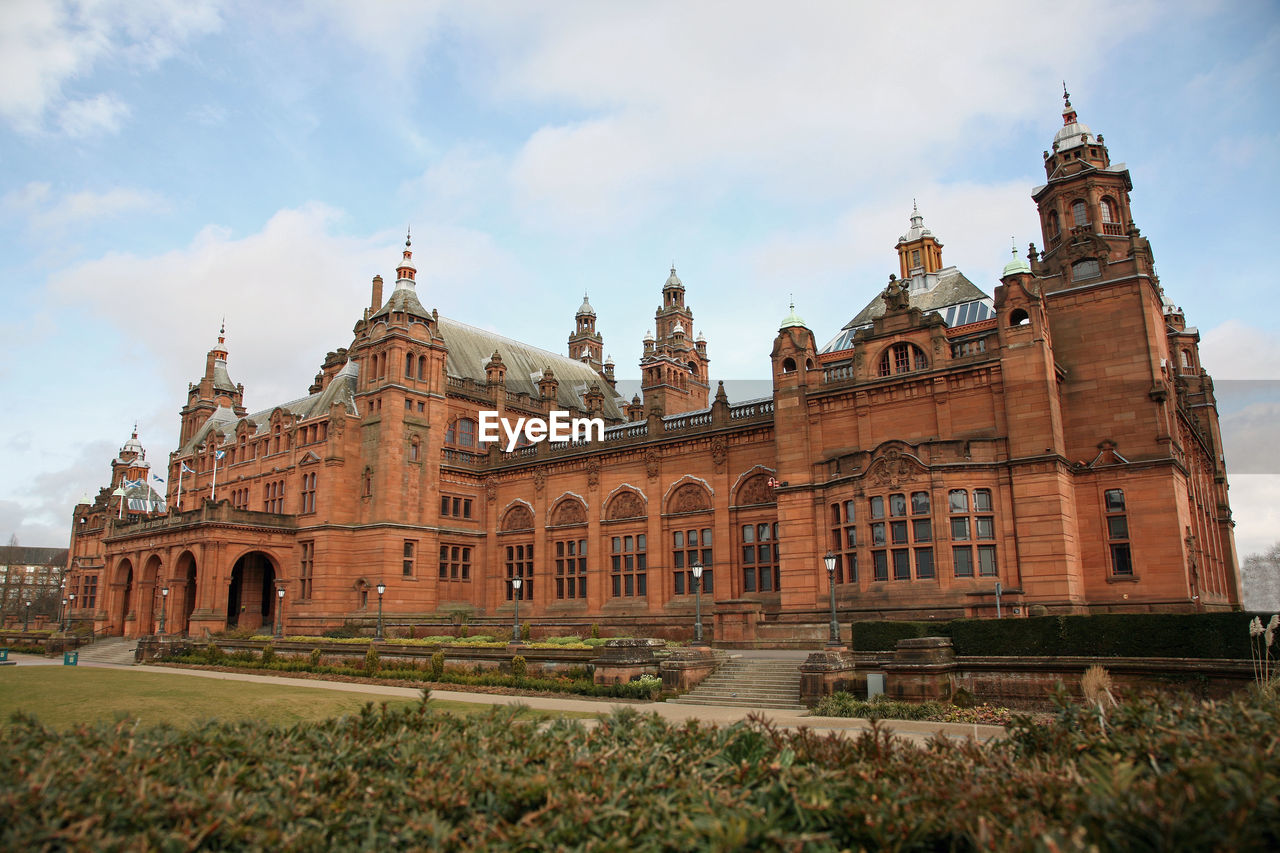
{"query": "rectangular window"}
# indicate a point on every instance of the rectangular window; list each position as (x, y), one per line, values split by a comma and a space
(455, 507)
(901, 564)
(987, 561)
(897, 505)
(308, 493)
(922, 529)
(959, 500)
(877, 507)
(90, 600)
(960, 529)
(760, 572)
(305, 567)
(520, 565)
(629, 566)
(924, 563)
(690, 547)
(444, 562)
(571, 568)
(1114, 500)
(982, 500)
(1118, 533)
(877, 533)
(879, 566)
(409, 547)
(1121, 563)
(898, 532)
(985, 527)
(919, 503)
(963, 556)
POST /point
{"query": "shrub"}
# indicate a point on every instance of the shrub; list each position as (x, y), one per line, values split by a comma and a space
(526, 632)
(595, 631)
(519, 666)
(884, 636)
(212, 653)
(315, 657)
(372, 663)
(437, 666)
(348, 630)
(268, 653)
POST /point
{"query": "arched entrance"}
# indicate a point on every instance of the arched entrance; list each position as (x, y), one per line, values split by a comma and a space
(149, 595)
(183, 594)
(251, 598)
(122, 587)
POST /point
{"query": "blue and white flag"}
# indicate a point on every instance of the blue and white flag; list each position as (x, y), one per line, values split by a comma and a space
(185, 469)
(132, 484)
(157, 478)
(220, 454)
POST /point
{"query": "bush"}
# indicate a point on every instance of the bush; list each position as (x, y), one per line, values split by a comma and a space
(884, 636)
(519, 666)
(526, 632)
(1163, 775)
(372, 663)
(268, 653)
(437, 665)
(595, 631)
(348, 630)
(314, 657)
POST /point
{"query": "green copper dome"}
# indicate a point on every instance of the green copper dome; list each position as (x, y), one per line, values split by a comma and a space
(792, 319)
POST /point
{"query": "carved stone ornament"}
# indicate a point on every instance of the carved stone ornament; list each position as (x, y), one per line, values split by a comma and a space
(892, 469)
(490, 489)
(539, 479)
(756, 491)
(593, 472)
(651, 463)
(626, 505)
(519, 517)
(719, 453)
(569, 512)
(896, 296)
(690, 498)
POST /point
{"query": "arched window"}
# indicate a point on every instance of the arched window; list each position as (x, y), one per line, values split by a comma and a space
(1186, 358)
(902, 358)
(422, 367)
(1019, 317)
(1109, 212)
(1079, 213)
(1084, 270)
(413, 449)
(408, 366)
(788, 365)
(1052, 226)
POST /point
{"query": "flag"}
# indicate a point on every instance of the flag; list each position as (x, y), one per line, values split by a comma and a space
(185, 469)
(220, 454)
(157, 478)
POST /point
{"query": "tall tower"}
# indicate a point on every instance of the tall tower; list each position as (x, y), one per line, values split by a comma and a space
(673, 366)
(215, 390)
(919, 251)
(585, 343)
(1085, 218)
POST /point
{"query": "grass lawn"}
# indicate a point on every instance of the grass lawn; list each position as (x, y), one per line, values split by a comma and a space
(62, 696)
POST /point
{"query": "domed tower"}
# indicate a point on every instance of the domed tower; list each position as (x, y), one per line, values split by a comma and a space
(1085, 217)
(674, 365)
(585, 343)
(213, 391)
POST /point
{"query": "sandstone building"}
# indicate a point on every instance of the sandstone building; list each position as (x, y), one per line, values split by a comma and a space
(1057, 436)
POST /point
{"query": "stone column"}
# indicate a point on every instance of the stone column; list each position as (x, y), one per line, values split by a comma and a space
(828, 671)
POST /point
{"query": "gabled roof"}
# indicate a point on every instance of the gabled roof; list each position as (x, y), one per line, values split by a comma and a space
(470, 349)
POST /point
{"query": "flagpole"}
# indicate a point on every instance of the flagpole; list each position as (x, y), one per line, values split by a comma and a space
(181, 467)
(213, 489)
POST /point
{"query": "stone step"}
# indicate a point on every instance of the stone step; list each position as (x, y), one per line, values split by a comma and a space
(748, 683)
(115, 650)
(742, 703)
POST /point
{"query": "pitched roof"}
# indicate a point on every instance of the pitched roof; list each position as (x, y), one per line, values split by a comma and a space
(470, 349)
(23, 555)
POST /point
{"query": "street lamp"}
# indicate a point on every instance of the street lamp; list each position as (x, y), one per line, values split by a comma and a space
(62, 613)
(26, 618)
(516, 583)
(382, 587)
(164, 596)
(696, 568)
(70, 606)
(830, 560)
(279, 613)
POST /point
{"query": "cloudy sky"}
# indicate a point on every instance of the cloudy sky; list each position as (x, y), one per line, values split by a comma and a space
(166, 163)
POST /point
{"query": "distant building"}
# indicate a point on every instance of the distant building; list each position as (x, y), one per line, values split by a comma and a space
(1057, 436)
(31, 575)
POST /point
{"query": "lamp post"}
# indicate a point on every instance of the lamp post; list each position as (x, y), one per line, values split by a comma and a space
(62, 614)
(830, 560)
(164, 596)
(382, 587)
(71, 605)
(516, 583)
(26, 617)
(279, 613)
(696, 568)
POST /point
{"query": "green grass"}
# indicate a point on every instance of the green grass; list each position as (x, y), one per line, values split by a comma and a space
(61, 697)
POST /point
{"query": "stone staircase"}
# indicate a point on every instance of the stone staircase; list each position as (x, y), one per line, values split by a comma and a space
(747, 683)
(110, 650)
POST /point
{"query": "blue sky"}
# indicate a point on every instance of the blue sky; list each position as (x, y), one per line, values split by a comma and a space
(167, 163)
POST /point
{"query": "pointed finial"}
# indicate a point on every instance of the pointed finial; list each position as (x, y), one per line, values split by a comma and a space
(1015, 246)
(914, 208)
(1066, 96)
(407, 232)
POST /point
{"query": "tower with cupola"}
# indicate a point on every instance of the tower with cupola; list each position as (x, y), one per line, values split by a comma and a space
(674, 364)
(213, 391)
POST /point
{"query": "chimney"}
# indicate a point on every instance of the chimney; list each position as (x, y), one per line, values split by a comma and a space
(377, 293)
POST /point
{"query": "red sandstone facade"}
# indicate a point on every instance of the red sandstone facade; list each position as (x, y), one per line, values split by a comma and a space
(1065, 445)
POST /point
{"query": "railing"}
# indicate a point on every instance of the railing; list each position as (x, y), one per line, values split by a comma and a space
(972, 347)
(461, 457)
(751, 409)
(1115, 229)
(838, 373)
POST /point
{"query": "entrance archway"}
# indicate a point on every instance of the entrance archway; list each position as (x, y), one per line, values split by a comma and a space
(149, 597)
(251, 598)
(123, 589)
(183, 593)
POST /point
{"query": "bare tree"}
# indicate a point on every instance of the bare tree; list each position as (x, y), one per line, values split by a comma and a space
(1260, 577)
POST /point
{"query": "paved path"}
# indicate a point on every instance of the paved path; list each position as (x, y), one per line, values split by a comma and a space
(919, 732)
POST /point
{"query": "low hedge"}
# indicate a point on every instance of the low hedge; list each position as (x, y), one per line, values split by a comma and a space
(1157, 775)
(1174, 635)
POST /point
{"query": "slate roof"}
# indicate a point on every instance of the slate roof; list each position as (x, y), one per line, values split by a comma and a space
(470, 349)
(952, 289)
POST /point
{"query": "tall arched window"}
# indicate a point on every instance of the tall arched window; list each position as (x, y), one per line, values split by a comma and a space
(408, 366)
(1109, 212)
(1052, 226)
(422, 367)
(1079, 213)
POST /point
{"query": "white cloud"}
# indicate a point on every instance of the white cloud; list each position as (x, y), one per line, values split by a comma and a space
(44, 46)
(289, 292)
(92, 116)
(1240, 350)
(1255, 506)
(36, 203)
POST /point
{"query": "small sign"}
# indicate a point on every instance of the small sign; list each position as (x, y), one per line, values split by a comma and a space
(70, 658)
